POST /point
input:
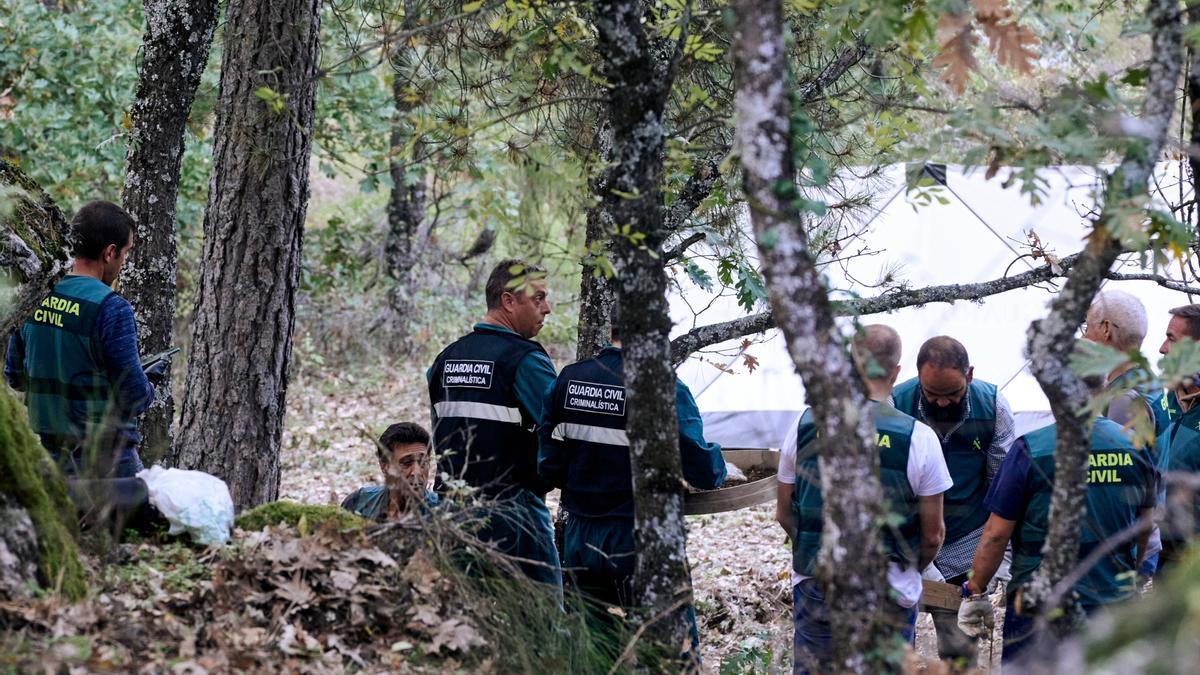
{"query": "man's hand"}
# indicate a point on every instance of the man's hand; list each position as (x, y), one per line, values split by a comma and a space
(157, 372)
(976, 617)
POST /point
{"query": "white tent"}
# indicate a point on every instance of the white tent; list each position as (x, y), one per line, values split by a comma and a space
(977, 234)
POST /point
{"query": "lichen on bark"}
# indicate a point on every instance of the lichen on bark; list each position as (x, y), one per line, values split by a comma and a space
(33, 246)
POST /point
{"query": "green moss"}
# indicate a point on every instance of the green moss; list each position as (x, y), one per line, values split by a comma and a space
(291, 513)
(28, 476)
(32, 215)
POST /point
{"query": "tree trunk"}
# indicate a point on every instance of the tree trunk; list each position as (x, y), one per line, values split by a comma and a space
(245, 309)
(406, 206)
(175, 51)
(1051, 339)
(596, 284)
(639, 84)
(33, 247)
(37, 521)
(852, 567)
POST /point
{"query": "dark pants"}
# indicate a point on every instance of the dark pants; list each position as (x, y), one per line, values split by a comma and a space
(520, 527)
(125, 463)
(813, 648)
(1019, 634)
(951, 641)
(600, 556)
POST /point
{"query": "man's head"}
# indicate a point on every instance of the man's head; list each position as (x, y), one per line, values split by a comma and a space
(102, 235)
(1116, 319)
(877, 354)
(403, 453)
(1185, 322)
(516, 295)
(944, 372)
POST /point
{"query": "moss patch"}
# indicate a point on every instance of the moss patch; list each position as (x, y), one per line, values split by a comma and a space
(292, 513)
(28, 476)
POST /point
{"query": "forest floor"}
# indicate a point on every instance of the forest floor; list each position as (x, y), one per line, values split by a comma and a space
(739, 559)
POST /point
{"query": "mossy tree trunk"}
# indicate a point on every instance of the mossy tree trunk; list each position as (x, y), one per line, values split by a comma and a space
(175, 51)
(233, 408)
(33, 246)
(37, 521)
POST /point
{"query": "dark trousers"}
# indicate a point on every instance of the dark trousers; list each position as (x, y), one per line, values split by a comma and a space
(813, 645)
(73, 461)
(520, 526)
(600, 557)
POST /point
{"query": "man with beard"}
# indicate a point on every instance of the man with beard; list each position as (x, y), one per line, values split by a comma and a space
(974, 423)
(403, 454)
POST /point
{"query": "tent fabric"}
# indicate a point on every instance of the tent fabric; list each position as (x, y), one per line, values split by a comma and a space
(979, 233)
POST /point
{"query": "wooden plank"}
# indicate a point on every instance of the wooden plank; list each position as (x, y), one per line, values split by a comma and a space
(940, 595)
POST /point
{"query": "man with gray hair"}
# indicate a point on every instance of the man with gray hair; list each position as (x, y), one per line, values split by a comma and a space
(1117, 319)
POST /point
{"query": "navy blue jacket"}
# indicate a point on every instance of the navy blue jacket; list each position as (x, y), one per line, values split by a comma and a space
(584, 449)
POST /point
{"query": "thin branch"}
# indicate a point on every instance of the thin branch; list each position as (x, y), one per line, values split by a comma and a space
(849, 57)
(679, 250)
(698, 187)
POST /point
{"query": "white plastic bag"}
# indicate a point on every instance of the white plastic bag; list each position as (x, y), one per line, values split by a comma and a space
(192, 501)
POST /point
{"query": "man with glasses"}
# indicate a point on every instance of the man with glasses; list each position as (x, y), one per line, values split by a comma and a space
(974, 423)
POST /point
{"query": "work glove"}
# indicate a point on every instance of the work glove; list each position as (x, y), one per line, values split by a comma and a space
(976, 617)
(157, 372)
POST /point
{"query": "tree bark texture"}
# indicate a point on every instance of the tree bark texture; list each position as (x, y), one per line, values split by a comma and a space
(596, 287)
(175, 51)
(851, 564)
(1051, 339)
(406, 205)
(34, 251)
(245, 310)
(640, 80)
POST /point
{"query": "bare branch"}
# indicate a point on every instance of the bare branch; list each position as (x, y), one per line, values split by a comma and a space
(849, 57)
(890, 301)
(695, 191)
(682, 247)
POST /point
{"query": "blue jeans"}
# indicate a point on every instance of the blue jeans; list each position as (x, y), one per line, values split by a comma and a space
(812, 648)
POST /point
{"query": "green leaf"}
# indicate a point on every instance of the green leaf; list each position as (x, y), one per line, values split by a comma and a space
(1093, 358)
(469, 7)
(1135, 76)
(1183, 361)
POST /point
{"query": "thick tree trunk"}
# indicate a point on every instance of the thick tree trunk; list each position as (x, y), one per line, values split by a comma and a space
(1051, 339)
(33, 247)
(245, 310)
(852, 566)
(175, 51)
(639, 81)
(406, 206)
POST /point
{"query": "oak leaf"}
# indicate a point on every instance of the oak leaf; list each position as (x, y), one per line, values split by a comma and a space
(957, 58)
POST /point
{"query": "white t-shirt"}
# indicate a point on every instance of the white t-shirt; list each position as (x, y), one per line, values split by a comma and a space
(928, 476)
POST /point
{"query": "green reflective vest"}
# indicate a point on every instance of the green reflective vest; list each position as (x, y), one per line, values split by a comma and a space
(902, 529)
(66, 384)
(965, 450)
(1120, 478)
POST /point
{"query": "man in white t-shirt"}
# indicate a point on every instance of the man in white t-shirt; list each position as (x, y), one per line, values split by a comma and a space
(914, 476)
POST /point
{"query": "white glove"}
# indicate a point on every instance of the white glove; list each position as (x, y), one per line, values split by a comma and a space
(976, 617)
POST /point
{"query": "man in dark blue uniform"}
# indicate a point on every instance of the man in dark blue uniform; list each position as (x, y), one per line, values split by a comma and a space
(77, 359)
(586, 453)
(975, 425)
(488, 392)
(1121, 481)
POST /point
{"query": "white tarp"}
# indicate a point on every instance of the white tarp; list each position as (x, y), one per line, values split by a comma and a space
(978, 235)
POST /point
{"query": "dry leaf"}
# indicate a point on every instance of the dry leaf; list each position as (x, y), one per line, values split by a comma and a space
(958, 40)
(457, 635)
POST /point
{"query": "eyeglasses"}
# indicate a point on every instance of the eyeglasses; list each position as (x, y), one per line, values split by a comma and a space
(1083, 327)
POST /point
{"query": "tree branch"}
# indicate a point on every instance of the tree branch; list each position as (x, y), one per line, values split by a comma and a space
(695, 191)
(678, 251)
(832, 72)
(890, 301)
